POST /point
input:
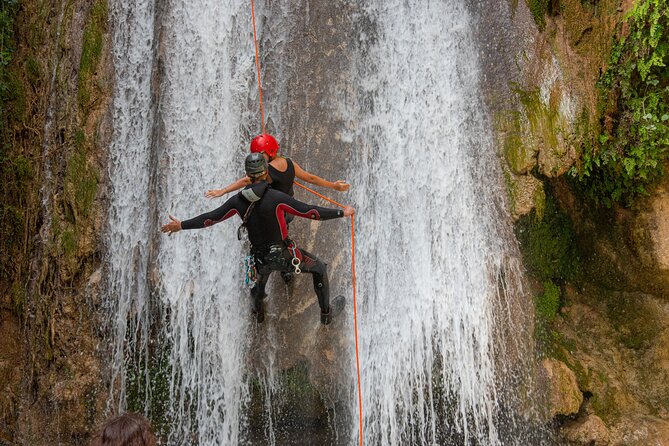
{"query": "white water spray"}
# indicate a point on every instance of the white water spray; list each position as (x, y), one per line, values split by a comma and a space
(129, 232)
(432, 243)
(181, 318)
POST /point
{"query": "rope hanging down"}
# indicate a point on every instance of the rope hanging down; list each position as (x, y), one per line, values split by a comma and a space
(255, 42)
(355, 298)
(355, 306)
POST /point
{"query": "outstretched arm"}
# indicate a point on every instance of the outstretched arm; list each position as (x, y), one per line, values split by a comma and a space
(302, 174)
(300, 209)
(227, 210)
(240, 183)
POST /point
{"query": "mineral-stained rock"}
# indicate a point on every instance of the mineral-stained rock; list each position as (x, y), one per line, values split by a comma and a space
(641, 431)
(655, 224)
(565, 398)
(526, 193)
(589, 430)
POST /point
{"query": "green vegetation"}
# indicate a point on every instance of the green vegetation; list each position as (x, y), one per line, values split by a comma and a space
(546, 307)
(548, 303)
(550, 254)
(8, 10)
(12, 170)
(539, 8)
(92, 50)
(148, 387)
(81, 180)
(629, 154)
(546, 244)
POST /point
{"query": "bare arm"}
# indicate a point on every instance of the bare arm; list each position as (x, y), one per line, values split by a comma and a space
(339, 185)
(214, 193)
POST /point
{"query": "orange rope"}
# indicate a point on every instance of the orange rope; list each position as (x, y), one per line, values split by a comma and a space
(355, 300)
(355, 305)
(255, 42)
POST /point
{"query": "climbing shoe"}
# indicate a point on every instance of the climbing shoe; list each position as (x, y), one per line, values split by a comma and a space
(287, 277)
(336, 306)
(259, 311)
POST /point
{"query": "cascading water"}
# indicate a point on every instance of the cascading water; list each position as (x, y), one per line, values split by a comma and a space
(178, 323)
(129, 160)
(436, 273)
(434, 248)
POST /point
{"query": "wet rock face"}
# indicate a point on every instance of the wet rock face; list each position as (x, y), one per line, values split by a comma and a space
(588, 431)
(314, 359)
(613, 328)
(653, 228)
(564, 396)
(59, 394)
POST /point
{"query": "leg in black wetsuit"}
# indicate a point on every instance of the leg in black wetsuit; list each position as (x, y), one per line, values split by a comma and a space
(278, 258)
(287, 276)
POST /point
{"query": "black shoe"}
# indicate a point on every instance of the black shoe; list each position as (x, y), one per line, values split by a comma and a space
(336, 307)
(259, 312)
(258, 309)
(287, 277)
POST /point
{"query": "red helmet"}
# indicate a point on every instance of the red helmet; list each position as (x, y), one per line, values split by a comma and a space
(265, 144)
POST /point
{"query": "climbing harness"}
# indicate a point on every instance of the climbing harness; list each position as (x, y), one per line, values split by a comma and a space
(242, 232)
(251, 274)
(295, 261)
(355, 312)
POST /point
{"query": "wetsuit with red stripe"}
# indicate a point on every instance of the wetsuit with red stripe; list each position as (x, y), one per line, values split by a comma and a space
(268, 234)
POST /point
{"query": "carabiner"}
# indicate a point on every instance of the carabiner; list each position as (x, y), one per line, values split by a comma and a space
(295, 261)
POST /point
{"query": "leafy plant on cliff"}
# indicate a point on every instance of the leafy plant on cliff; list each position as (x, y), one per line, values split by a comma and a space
(7, 13)
(629, 155)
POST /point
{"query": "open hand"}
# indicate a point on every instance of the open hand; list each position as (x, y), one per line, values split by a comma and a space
(214, 193)
(173, 226)
(341, 185)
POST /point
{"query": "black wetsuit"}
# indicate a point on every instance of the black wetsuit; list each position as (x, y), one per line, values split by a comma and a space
(268, 234)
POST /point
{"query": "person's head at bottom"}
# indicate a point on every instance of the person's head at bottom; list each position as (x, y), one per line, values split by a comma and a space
(129, 429)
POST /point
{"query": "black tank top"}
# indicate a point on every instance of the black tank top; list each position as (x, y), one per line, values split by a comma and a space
(283, 181)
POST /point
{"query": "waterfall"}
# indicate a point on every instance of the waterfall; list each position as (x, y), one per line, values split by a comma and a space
(438, 283)
(439, 295)
(129, 226)
(177, 312)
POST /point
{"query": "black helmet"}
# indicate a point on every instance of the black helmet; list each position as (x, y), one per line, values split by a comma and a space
(255, 165)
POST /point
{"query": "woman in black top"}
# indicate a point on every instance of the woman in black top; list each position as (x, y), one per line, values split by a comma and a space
(282, 171)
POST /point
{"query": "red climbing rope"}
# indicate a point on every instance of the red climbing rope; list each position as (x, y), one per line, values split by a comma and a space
(255, 42)
(355, 305)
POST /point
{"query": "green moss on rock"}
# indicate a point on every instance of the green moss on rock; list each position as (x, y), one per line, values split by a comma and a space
(94, 34)
(547, 244)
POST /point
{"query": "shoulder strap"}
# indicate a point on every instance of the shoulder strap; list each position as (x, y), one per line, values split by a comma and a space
(253, 198)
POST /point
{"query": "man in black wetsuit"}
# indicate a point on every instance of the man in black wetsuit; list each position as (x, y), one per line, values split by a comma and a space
(262, 210)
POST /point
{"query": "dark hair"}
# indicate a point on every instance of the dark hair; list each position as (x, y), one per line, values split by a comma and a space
(129, 429)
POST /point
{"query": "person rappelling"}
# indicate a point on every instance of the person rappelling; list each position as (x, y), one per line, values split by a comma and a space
(263, 213)
(282, 172)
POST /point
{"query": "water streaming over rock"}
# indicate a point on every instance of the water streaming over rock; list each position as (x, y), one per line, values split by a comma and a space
(437, 278)
(179, 326)
(437, 275)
